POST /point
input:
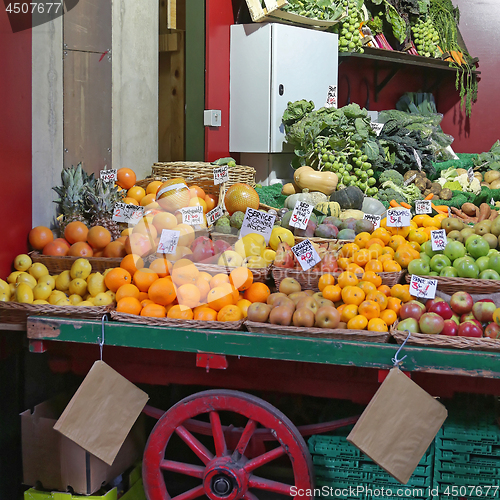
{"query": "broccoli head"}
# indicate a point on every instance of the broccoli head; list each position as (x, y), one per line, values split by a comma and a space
(388, 194)
(391, 175)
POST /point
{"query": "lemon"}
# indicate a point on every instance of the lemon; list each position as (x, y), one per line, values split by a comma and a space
(24, 294)
(40, 302)
(268, 254)
(81, 268)
(37, 270)
(13, 276)
(12, 288)
(48, 280)
(4, 297)
(63, 302)
(4, 287)
(85, 303)
(22, 262)
(42, 291)
(95, 284)
(111, 294)
(102, 299)
(26, 278)
(63, 281)
(55, 296)
(77, 286)
(75, 299)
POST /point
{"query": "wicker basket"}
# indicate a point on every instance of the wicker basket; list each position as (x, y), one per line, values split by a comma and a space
(56, 265)
(452, 285)
(177, 323)
(260, 274)
(320, 333)
(13, 312)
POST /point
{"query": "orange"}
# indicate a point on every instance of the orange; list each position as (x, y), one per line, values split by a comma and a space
(257, 292)
(241, 278)
(361, 239)
(353, 295)
(129, 305)
(127, 290)
(143, 296)
(196, 191)
(239, 197)
(384, 258)
(361, 257)
(233, 291)
(400, 231)
(430, 222)
(153, 311)
(184, 271)
(80, 249)
(138, 243)
(375, 241)
(377, 325)
(324, 280)
(391, 266)
(367, 287)
(206, 276)
(428, 230)
(187, 234)
(357, 270)
(148, 200)
(398, 291)
(125, 178)
(162, 291)
(164, 220)
(395, 304)
(419, 219)
(388, 251)
(219, 279)
(332, 292)
(161, 267)
(343, 262)
(59, 246)
(348, 312)
(204, 287)
(152, 187)
(130, 201)
(219, 297)
(117, 277)
(357, 323)
(375, 250)
(378, 297)
(188, 295)
(180, 312)
(389, 316)
(372, 277)
(382, 234)
(244, 304)
(404, 255)
(137, 193)
(144, 227)
(386, 290)
(406, 294)
(198, 202)
(115, 249)
(415, 246)
(417, 235)
(144, 278)
(76, 231)
(205, 313)
(145, 302)
(348, 250)
(375, 265)
(131, 263)
(230, 313)
(369, 309)
(395, 241)
(211, 200)
(39, 236)
(347, 278)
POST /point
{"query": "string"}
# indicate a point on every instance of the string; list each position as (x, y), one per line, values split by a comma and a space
(101, 340)
(395, 359)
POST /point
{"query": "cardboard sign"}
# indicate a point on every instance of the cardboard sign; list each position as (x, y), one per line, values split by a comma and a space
(128, 213)
(377, 127)
(257, 222)
(331, 97)
(192, 215)
(301, 214)
(438, 239)
(214, 215)
(221, 174)
(306, 255)
(108, 175)
(423, 288)
(102, 412)
(375, 219)
(168, 241)
(423, 207)
(398, 217)
(398, 425)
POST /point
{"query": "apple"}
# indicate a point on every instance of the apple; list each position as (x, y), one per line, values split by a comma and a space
(412, 309)
(477, 246)
(420, 267)
(482, 263)
(303, 317)
(489, 274)
(230, 258)
(461, 302)
(483, 311)
(431, 323)
(410, 325)
(308, 302)
(281, 315)
(439, 262)
(221, 246)
(449, 272)
(469, 329)
(485, 300)
(454, 249)
(274, 296)
(430, 303)
(284, 256)
(202, 248)
(427, 248)
(466, 267)
(492, 331)
(467, 316)
(425, 258)
(456, 319)
(442, 308)
(290, 285)
(327, 317)
(450, 328)
(258, 312)
(329, 263)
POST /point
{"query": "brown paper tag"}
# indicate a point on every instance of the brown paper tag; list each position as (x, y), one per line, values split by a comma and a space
(398, 425)
(102, 412)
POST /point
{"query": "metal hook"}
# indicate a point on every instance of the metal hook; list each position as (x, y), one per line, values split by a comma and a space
(101, 340)
(395, 359)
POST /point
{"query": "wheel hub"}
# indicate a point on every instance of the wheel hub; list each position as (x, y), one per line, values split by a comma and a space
(221, 485)
(224, 479)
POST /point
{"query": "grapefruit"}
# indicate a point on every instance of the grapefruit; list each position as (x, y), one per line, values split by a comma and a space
(241, 196)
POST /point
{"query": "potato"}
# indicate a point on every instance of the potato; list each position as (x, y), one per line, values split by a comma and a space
(495, 184)
(436, 188)
(446, 194)
(478, 176)
(491, 175)
(461, 171)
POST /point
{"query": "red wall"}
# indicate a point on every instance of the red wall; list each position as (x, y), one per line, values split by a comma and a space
(15, 141)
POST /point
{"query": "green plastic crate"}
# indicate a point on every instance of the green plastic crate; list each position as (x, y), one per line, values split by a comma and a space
(33, 494)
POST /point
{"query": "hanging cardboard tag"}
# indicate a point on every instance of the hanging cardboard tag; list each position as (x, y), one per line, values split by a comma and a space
(102, 412)
(398, 425)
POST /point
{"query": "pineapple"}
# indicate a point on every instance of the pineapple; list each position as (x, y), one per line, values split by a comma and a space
(72, 195)
(101, 198)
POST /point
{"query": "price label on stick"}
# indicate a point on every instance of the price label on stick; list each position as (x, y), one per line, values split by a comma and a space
(409, 180)
(192, 215)
(417, 159)
(221, 174)
(422, 288)
(438, 239)
(301, 215)
(214, 215)
(377, 127)
(373, 218)
(257, 222)
(124, 212)
(306, 255)
(168, 241)
(470, 174)
(398, 217)
(331, 97)
(423, 207)
(108, 175)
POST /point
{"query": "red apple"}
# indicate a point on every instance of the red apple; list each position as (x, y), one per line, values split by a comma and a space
(329, 263)
(485, 300)
(456, 319)
(431, 323)
(284, 255)
(478, 323)
(442, 308)
(483, 311)
(461, 302)
(412, 309)
(221, 246)
(450, 328)
(410, 325)
(492, 331)
(469, 329)
(431, 302)
(202, 248)
(466, 317)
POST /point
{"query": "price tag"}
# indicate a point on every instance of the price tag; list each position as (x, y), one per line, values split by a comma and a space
(168, 241)
(301, 214)
(373, 218)
(377, 127)
(422, 288)
(331, 97)
(108, 175)
(192, 215)
(470, 174)
(214, 215)
(409, 180)
(492, 202)
(124, 212)
(417, 159)
(423, 207)
(306, 255)
(438, 239)
(257, 222)
(221, 174)
(398, 217)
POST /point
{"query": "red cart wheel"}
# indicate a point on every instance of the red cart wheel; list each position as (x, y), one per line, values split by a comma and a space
(225, 474)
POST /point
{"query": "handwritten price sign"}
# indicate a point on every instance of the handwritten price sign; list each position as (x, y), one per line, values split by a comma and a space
(221, 174)
(398, 217)
(422, 288)
(301, 215)
(192, 215)
(131, 214)
(331, 97)
(257, 222)
(438, 239)
(214, 215)
(168, 241)
(375, 219)
(377, 127)
(108, 175)
(423, 207)
(306, 255)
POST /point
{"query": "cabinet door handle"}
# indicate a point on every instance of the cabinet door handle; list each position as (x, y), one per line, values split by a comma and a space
(281, 89)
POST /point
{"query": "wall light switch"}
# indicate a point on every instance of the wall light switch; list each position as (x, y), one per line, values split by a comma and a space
(212, 117)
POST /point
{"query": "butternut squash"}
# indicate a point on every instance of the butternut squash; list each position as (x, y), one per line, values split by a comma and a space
(324, 182)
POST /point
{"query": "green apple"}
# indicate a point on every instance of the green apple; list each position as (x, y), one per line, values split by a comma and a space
(419, 267)
(492, 251)
(449, 272)
(427, 248)
(483, 263)
(477, 246)
(433, 273)
(489, 274)
(438, 262)
(467, 268)
(458, 261)
(425, 257)
(454, 250)
(494, 262)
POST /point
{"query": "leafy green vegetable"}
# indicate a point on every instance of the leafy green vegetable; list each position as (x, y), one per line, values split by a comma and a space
(489, 160)
(391, 175)
(296, 111)
(399, 27)
(329, 10)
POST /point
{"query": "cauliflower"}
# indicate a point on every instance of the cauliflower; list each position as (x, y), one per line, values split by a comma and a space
(472, 187)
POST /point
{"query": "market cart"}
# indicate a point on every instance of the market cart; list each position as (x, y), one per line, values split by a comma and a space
(240, 361)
